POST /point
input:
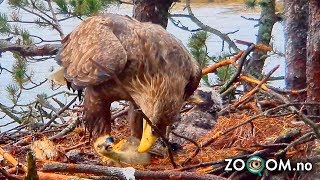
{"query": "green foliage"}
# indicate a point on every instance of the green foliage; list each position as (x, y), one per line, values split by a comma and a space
(250, 3)
(18, 3)
(264, 3)
(4, 26)
(13, 92)
(19, 70)
(225, 73)
(198, 47)
(254, 3)
(82, 7)
(26, 40)
(62, 6)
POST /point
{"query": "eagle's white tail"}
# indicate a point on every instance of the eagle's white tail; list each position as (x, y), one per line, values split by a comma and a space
(58, 77)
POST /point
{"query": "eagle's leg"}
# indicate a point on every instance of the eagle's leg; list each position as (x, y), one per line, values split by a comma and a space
(135, 121)
(97, 115)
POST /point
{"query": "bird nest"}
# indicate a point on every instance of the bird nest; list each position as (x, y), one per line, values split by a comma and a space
(256, 135)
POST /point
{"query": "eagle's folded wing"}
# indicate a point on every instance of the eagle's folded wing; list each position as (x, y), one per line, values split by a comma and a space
(92, 40)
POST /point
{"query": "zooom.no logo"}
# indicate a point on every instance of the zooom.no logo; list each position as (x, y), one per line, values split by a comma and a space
(256, 165)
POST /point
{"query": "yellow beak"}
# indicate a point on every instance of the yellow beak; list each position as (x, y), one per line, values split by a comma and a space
(147, 139)
(195, 99)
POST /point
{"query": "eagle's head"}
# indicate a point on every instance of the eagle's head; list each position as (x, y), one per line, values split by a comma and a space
(160, 98)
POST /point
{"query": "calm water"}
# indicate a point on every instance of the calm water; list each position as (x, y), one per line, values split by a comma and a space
(225, 18)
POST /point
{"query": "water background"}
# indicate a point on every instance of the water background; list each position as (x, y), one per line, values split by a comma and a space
(224, 17)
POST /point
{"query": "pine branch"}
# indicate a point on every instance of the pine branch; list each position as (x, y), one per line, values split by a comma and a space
(29, 50)
(5, 110)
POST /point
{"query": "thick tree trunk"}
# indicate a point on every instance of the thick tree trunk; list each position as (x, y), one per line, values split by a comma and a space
(313, 56)
(296, 31)
(267, 20)
(155, 11)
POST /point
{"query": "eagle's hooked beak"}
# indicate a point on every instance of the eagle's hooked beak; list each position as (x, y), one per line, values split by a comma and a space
(58, 77)
(147, 139)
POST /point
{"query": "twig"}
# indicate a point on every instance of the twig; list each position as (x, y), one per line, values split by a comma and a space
(225, 62)
(56, 115)
(5, 110)
(66, 130)
(12, 160)
(250, 19)
(241, 63)
(221, 133)
(45, 103)
(303, 117)
(294, 143)
(255, 89)
(204, 27)
(76, 146)
(55, 19)
(8, 175)
(183, 27)
(186, 138)
(204, 164)
(121, 113)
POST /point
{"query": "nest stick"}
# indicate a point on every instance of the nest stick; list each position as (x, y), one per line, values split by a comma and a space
(56, 115)
(123, 173)
(255, 89)
(12, 160)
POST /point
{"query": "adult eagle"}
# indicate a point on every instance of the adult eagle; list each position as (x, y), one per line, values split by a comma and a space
(153, 68)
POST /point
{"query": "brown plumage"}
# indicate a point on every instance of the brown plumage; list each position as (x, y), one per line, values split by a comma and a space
(152, 65)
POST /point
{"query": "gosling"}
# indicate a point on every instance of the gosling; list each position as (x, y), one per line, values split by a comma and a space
(124, 152)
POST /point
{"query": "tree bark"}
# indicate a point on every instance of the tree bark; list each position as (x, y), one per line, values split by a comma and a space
(313, 56)
(32, 50)
(124, 173)
(296, 31)
(155, 11)
(267, 19)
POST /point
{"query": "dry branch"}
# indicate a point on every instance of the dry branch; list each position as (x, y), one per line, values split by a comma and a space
(225, 62)
(124, 173)
(255, 89)
(207, 28)
(32, 50)
(66, 130)
(12, 160)
(236, 75)
(255, 81)
(56, 115)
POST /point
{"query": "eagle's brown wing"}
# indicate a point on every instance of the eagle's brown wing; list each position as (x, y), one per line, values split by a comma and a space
(193, 82)
(92, 40)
